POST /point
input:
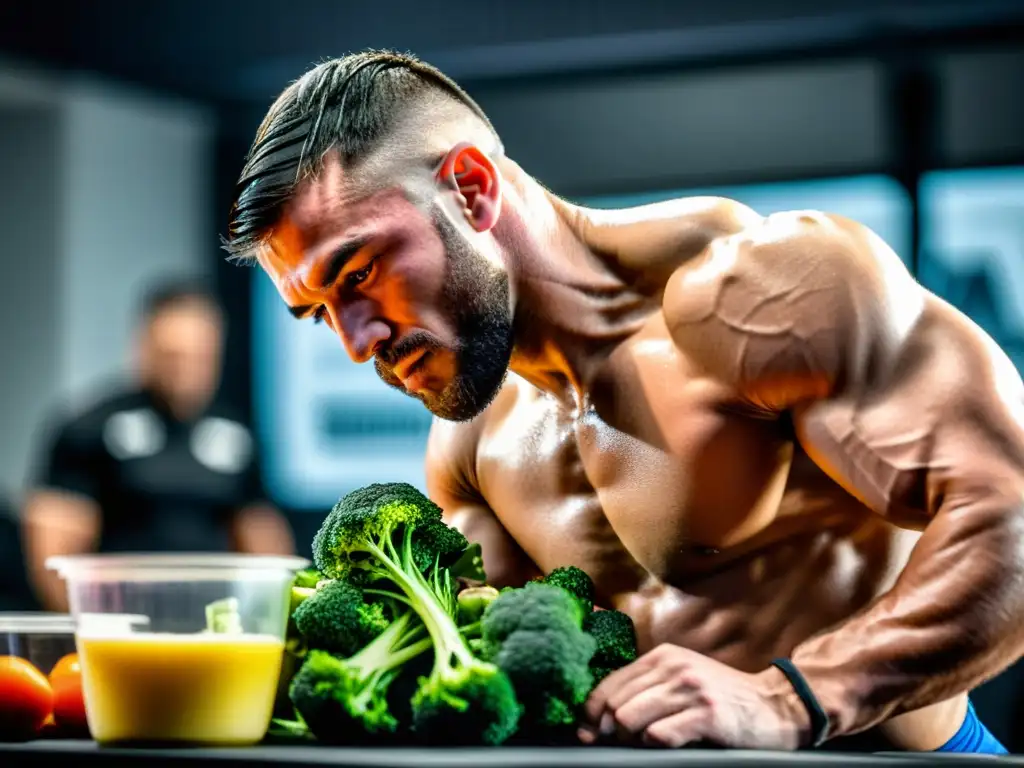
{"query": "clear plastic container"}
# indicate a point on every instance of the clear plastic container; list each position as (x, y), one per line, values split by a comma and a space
(179, 648)
(41, 638)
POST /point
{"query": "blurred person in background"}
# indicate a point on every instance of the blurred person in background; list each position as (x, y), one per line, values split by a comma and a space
(157, 465)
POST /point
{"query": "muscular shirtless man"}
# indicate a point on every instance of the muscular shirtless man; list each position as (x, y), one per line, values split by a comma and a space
(760, 435)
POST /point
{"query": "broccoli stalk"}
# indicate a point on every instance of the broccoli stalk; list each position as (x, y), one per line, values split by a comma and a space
(392, 533)
(459, 684)
(329, 690)
(372, 670)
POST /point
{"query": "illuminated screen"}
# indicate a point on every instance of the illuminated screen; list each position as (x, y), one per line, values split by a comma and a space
(972, 248)
(327, 425)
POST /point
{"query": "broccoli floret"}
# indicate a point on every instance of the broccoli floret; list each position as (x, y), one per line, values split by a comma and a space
(534, 606)
(312, 695)
(534, 634)
(367, 521)
(393, 536)
(576, 582)
(615, 635)
(552, 661)
(339, 619)
(328, 691)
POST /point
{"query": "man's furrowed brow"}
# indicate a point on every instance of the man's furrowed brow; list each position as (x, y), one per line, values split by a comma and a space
(338, 258)
(336, 262)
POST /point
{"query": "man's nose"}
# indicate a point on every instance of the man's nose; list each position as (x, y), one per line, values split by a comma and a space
(361, 332)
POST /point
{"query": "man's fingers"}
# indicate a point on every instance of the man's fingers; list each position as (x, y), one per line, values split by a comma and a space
(649, 706)
(595, 704)
(678, 730)
(617, 689)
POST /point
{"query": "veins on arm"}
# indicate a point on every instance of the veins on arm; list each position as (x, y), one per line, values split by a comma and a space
(908, 406)
(768, 311)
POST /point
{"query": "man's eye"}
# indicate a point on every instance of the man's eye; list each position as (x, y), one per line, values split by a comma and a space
(360, 275)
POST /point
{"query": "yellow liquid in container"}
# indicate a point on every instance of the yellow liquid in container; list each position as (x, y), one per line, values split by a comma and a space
(203, 688)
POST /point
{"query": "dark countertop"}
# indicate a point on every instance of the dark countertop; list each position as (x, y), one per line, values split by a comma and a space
(87, 754)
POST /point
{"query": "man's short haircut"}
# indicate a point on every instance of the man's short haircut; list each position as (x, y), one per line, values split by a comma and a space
(349, 105)
(173, 292)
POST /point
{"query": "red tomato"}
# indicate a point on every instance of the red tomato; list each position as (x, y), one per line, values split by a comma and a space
(68, 701)
(26, 698)
(67, 665)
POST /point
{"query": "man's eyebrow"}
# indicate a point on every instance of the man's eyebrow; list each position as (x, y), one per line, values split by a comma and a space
(336, 262)
(340, 257)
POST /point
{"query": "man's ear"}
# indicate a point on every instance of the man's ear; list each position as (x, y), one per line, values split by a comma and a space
(471, 173)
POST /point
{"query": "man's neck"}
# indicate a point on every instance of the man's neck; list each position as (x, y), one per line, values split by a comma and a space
(571, 307)
(585, 280)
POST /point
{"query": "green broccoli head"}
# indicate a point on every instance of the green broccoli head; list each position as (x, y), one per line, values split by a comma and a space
(576, 582)
(615, 636)
(392, 536)
(339, 619)
(368, 521)
(535, 606)
(314, 692)
(438, 543)
(534, 635)
(552, 663)
(472, 705)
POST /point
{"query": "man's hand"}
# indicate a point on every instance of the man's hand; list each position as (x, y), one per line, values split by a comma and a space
(672, 697)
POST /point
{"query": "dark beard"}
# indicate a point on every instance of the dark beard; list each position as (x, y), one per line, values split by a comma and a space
(476, 296)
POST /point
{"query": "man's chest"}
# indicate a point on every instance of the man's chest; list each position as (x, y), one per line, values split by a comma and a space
(651, 476)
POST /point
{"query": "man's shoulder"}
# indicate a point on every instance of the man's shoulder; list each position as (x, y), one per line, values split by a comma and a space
(802, 292)
(800, 261)
(649, 242)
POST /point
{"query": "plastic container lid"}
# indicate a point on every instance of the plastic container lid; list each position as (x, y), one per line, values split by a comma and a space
(37, 623)
(174, 567)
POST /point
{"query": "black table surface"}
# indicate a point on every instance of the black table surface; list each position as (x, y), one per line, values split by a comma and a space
(87, 754)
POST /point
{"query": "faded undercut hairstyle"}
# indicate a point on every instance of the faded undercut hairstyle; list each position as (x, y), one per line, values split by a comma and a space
(350, 105)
